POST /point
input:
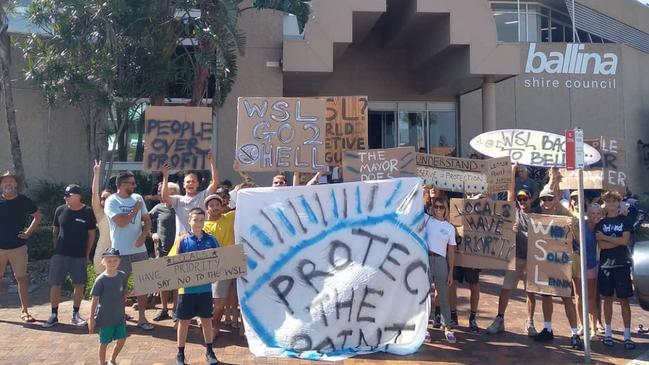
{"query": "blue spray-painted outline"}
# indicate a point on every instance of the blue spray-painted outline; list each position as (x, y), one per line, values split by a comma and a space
(397, 190)
(287, 223)
(358, 199)
(294, 250)
(309, 212)
(261, 235)
(252, 264)
(418, 218)
(335, 203)
(356, 171)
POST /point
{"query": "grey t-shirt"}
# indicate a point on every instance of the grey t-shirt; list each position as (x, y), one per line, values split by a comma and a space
(183, 204)
(110, 291)
(164, 224)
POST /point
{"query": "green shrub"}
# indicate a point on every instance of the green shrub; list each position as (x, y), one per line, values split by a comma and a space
(90, 270)
(49, 195)
(40, 245)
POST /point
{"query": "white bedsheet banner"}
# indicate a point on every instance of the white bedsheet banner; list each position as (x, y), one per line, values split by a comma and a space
(334, 270)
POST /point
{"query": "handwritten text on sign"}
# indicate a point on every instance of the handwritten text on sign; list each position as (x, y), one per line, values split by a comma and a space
(179, 135)
(463, 174)
(529, 147)
(379, 164)
(487, 239)
(281, 134)
(346, 127)
(334, 270)
(549, 264)
(613, 164)
(188, 269)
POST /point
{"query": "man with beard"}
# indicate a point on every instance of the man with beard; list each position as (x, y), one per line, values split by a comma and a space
(126, 212)
(14, 210)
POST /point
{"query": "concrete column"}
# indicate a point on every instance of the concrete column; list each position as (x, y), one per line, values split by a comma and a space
(488, 105)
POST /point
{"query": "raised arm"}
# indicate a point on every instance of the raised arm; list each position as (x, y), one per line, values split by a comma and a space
(296, 178)
(164, 189)
(96, 197)
(214, 184)
(314, 179)
(511, 194)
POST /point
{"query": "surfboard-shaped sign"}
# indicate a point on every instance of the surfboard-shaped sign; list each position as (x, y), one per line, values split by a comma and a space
(528, 147)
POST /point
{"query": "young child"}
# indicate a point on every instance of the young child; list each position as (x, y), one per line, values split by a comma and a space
(195, 301)
(107, 306)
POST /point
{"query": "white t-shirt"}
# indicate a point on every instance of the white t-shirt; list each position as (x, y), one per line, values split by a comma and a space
(183, 204)
(123, 238)
(439, 235)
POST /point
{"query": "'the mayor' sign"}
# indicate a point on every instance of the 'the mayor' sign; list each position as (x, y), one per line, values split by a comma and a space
(334, 270)
(379, 164)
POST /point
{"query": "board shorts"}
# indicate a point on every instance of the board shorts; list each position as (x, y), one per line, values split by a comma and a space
(466, 274)
(512, 277)
(221, 289)
(126, 261)
(108, 334)
(17, 258)
(616, 281)
(61, 266)
(194, 305)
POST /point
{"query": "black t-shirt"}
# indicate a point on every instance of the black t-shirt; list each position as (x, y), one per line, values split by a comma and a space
(523, 221)
(73, 230)
(618, 256)
(13, 219)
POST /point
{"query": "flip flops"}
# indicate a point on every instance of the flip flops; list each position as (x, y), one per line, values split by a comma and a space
(27, 318)
(608, 341)
(629, 344)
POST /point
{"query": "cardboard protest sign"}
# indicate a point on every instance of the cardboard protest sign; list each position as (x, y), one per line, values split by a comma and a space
(346, 127)
(529, 147)
(323, 260)
(179, 135)
(486, 235)
(549, 263)
(570, 179)
(464, 174)
(281, 134)
(375, 164)
(188, 269)
(613, 164)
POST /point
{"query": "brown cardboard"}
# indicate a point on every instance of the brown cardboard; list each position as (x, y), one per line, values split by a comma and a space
(570, 179)
(379, 164)
(463, 174)
(177, 134)
(613, 164)
(346, 127)
(281, 134)
(188, 269)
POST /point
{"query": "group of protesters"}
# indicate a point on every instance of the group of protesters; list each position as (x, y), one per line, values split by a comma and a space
(608, 261)
(199, 220)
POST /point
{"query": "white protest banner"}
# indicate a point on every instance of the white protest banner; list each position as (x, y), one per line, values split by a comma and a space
(179, 135)
(529, 147)
(486, 235)
(379, 164)
(346, 126)
(549, 263)
(334, 270)
(464, 174)
(188, 269)
(281, 134)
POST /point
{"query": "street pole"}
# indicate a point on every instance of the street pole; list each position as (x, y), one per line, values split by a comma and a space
(579, 164)
(518, 17)
(574, 23)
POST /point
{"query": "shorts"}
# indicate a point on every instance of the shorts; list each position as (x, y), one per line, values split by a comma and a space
(126, 261)
(17, 258)
(194, 305)
(512, 277)
(466, 274)
(108, 334)
(576, 268)
(61, 265)
(161, 250)
(221, 289)
(616, 281)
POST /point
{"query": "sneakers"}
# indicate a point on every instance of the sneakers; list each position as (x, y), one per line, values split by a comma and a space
(529, 327)
(473, 326)
(77, 320)
(427, 338)
(544, 336)
(180, 359)
(51, 321)
(450, 336)
(497, 326)
(575, 342)
(162, 315)
(437, 323)
(210, 357)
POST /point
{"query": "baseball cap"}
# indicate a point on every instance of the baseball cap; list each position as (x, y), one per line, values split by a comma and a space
(574, 193)
(222, 190)
(72, 189)
(524, 192)
(546, 193)
(212, 197)
(110, 252)
(8, 173)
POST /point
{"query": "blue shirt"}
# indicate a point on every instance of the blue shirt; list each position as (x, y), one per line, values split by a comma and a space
(190, 244)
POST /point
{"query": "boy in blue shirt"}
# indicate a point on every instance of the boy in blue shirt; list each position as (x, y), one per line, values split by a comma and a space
(195, 301)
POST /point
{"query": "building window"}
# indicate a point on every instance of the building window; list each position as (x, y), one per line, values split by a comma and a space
(426, 126)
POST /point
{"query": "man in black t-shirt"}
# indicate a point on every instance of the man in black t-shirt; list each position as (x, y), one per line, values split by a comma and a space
(14, 210)
(74, 229)
(612, 234)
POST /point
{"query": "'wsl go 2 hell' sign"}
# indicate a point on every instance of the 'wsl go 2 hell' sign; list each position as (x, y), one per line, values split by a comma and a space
(284, 134)
(486, 236)
(378, 164)
(334, 270)
(346, 127)
(549, 263)
(178, 135)
(188, 269)
(529, 147)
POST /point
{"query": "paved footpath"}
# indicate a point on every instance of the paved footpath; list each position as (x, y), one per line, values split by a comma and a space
(30, 344)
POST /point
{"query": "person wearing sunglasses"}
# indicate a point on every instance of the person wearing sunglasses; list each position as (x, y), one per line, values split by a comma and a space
(523, 201)
(441, 255)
